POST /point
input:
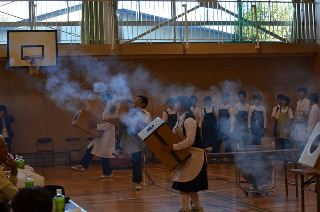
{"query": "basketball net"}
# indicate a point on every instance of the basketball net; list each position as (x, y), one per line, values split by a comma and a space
(34, 64)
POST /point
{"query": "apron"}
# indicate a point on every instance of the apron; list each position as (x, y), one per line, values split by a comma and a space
(284, 125)
(172, 120)
(209, 127)
(257, 120)
(104, 146)
(224, 124)
(189, 169)
(242, 120)
(275, 127)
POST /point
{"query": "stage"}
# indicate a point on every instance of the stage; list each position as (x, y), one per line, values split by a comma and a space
(117, 194)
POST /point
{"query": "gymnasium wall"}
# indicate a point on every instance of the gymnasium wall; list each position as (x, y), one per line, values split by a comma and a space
(317, 62)
(317, 9)
(37, 116)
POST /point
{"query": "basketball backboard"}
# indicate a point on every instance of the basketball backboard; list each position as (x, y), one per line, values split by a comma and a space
(23, 44)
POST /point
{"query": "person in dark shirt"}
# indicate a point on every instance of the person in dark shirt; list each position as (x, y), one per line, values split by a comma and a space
(5, 127)
(169, 115)
(209, 128)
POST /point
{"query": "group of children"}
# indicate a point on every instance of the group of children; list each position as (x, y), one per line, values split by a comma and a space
(229, 124)
(293, 127)
(236, 125)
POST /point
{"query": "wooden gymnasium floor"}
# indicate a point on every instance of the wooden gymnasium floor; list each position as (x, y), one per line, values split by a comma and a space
(116, 194)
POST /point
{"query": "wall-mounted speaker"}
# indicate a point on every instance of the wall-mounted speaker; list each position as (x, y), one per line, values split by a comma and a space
(311, 153)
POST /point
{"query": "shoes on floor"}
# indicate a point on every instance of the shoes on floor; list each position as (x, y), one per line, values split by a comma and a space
(78, 168)
(138, 186)
(194, 209)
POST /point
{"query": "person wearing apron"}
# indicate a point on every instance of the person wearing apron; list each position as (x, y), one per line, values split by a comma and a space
(274, 114)
(5, 127)
(241, 125)
(195, 109)
(257, 120)
(301, 118)
(285, 119)
(225, 122)
(169, 115)
(191, 175)
(209, 126)
(102, 146)
(314, 116)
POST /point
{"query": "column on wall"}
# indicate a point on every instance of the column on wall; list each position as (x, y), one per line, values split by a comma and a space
(317, 58)
(98, 22)
(317, 11)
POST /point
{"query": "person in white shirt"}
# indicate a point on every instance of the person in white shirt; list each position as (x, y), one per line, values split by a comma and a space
(314, 117)
(209, 126)
(226, 121)
(275, 110)
(103, 145)
(257, 120)
(195, 109)
(301, 117)
(284, 117)
(303, 105)
(241, 123)
(131, 145)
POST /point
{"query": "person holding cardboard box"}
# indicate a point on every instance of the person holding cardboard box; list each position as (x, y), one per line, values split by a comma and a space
(103, 145)
(191, 175)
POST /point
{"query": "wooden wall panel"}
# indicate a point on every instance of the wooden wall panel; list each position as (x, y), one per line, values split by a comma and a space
(37, 116)
(29, 111)
(317, 9)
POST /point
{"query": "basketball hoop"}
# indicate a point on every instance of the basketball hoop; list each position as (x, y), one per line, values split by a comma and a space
(34, 64)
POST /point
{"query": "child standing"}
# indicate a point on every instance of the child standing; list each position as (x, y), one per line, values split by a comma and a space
(275, 111)
(226, 122)
(257, 120)
(301, 117)
(241, 125)
(209, 126)
(285, 119)
(195, 109)
(314, 117)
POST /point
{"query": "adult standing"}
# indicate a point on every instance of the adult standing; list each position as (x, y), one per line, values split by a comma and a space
(191, 175)
(5, 127)
(131, 145)
(103, 145)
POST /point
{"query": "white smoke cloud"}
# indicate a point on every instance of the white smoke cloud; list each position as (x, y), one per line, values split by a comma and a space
(134, 121)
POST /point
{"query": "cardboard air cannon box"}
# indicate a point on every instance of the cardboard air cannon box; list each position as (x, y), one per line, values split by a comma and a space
(311, 153)
(85, 121)
(157, 134)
